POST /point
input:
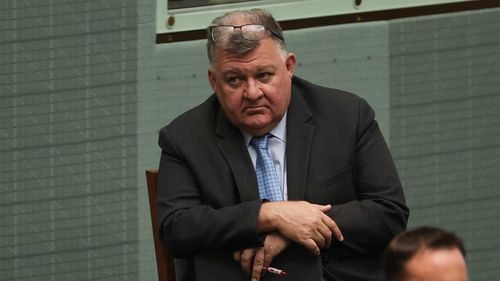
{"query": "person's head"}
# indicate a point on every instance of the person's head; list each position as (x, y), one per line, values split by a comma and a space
(425, 254)
(250, 69)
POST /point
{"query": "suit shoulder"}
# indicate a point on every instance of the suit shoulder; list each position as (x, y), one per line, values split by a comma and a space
(320, 97)
(191, 126)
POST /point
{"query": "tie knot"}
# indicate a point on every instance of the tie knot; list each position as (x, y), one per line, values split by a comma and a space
(260, 142)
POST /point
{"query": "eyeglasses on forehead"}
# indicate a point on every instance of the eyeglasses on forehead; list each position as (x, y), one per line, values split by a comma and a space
(221, 33)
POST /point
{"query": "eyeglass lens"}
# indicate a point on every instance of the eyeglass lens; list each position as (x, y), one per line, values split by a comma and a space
(249, 31)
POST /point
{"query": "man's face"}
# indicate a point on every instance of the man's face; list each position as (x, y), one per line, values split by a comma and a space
(254, 89)
(436, 265)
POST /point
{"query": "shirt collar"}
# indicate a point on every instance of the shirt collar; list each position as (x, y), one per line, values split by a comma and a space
(278, 132)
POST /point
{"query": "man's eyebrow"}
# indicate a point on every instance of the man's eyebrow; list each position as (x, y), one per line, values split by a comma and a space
(266, 67)
(230, 72)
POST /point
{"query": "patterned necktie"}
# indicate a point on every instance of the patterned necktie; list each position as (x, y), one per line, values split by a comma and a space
(267, 179)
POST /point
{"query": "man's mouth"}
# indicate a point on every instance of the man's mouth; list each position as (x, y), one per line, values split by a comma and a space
(254, 109)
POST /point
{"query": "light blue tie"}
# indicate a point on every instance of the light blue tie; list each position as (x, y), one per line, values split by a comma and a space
(267, 179)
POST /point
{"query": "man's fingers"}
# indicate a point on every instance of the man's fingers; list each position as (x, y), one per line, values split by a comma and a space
(247, 257)
(324, 208)
(237, 255)
(312, 247)
(307, 223)
(334, 228)
(318, 238)
(258, 263)
(331, 223)
(326, 233)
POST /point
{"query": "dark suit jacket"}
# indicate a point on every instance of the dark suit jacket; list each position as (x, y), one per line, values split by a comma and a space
(209, 203)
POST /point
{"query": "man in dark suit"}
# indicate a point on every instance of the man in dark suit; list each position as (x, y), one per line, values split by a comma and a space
(340, 198)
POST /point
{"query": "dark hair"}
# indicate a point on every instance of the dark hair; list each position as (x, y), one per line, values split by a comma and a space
(239, 45)
(405, 245)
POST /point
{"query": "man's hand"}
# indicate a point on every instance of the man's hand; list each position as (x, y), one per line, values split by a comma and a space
(254, 259)
(300, 221)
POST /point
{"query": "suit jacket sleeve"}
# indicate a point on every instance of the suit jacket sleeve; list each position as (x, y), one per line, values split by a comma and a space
(198, 210)
(379, 211)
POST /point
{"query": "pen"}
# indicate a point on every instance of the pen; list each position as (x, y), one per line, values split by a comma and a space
(275, 271)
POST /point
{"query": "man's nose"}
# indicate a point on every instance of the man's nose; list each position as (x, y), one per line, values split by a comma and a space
(253, 90)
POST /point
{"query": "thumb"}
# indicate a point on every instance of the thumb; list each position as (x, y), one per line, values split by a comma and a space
(324, 208)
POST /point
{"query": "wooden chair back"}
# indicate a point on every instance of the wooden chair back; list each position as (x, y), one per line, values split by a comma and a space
(164, 262)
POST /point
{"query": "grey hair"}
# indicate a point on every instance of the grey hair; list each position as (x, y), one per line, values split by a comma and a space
(238, 45)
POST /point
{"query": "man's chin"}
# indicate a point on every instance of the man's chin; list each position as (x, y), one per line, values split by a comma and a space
(257, 128)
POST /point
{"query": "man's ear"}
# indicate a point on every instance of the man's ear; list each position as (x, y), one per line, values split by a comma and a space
(290, 63)
(211, 78)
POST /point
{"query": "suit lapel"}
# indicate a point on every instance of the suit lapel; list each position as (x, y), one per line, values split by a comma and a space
(231, 145)
(298, 145)
(298, 149)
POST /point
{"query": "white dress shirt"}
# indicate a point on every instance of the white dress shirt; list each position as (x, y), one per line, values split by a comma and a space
(277, 145)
